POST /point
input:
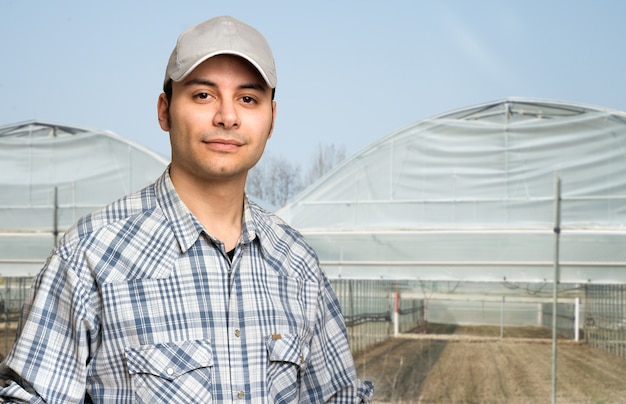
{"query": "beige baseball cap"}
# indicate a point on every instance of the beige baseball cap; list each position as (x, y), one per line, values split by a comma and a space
(218, 36)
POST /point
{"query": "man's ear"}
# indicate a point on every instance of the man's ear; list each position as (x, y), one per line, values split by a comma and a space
(163, 112)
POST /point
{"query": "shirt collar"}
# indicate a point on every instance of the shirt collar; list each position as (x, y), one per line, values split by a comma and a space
(184, 225)
(256, 225)
(186, 228)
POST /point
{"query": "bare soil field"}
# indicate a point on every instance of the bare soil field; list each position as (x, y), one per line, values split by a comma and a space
(461, 364)
(7, 337)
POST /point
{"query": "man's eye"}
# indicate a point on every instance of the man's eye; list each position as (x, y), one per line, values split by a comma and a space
(202, 96)
(247, 100)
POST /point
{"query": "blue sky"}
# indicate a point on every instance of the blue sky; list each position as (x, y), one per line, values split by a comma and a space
(349, 72)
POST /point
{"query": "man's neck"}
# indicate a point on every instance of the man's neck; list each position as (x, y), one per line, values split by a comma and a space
(217, 205)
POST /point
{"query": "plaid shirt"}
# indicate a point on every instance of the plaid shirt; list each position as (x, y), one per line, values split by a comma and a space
(139, 304)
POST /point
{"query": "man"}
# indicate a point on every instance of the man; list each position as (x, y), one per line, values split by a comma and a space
(187, 292)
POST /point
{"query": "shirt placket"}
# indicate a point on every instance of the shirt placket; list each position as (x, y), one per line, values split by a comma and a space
(236, 337)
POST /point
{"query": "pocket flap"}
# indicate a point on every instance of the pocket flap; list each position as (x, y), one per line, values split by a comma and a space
(169, 360)
(286, 348)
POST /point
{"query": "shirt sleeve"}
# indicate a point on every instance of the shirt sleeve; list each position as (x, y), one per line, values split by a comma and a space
(48, 362)
(330, 374)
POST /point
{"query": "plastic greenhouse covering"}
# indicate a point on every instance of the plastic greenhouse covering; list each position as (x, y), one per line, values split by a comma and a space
(510, 190)
(52, 174)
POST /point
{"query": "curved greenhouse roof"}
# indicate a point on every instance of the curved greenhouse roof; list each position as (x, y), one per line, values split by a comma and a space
(51, 174)
(471, 195)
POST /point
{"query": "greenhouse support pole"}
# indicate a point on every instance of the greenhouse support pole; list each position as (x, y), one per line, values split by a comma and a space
(557, 233)
(55, 216)
(7, 291)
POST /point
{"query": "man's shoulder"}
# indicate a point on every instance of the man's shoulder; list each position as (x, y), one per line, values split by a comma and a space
(134, 207)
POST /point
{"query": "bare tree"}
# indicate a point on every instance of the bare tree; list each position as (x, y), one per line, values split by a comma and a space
(325, 159)
(257, 180)
(275, 180)
(284, 180)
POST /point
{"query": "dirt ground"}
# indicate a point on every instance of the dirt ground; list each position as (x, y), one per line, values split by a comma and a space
(460, 364)
(7, 337)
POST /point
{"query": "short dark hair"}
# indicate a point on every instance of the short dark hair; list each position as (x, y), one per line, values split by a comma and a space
(167, 89)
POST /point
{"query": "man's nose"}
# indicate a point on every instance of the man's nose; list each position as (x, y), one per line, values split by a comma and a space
(226, 115)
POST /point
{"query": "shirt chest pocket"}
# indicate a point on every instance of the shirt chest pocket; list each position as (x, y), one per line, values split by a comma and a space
(287, 356)
(173, 372)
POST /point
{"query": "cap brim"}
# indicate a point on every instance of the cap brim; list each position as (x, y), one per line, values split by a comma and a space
(182, 73)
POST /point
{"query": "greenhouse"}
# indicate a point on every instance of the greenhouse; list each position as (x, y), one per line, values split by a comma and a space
(505, 219)
(502, 191)
(52, 174)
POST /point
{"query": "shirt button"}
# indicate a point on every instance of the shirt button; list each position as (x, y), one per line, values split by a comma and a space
(170, 371)
(241, 395)
(237, 333)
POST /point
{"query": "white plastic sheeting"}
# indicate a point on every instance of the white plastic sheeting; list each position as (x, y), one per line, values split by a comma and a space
(52, 174)
(470, 196)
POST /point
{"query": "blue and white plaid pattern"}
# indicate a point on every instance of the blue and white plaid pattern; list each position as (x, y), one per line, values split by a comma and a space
(139, 304)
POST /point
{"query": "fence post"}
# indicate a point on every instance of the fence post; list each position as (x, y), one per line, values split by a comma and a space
(396, 314)
(576, 319)
(502, 319)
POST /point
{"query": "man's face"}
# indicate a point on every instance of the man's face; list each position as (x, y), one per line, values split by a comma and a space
(219, 119)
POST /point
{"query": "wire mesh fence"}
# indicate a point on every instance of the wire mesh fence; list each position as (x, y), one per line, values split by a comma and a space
(567, 321)
(593, 313)
(373, 312)
(605, 318)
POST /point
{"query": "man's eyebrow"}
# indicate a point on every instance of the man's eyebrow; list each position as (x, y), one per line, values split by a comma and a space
(253, 86)
(200, 82)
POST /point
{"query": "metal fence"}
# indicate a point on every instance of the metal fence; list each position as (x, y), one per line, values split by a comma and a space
(597, 315)
(373, 311)
(605, 318)
(567, 322)
(368, 308)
